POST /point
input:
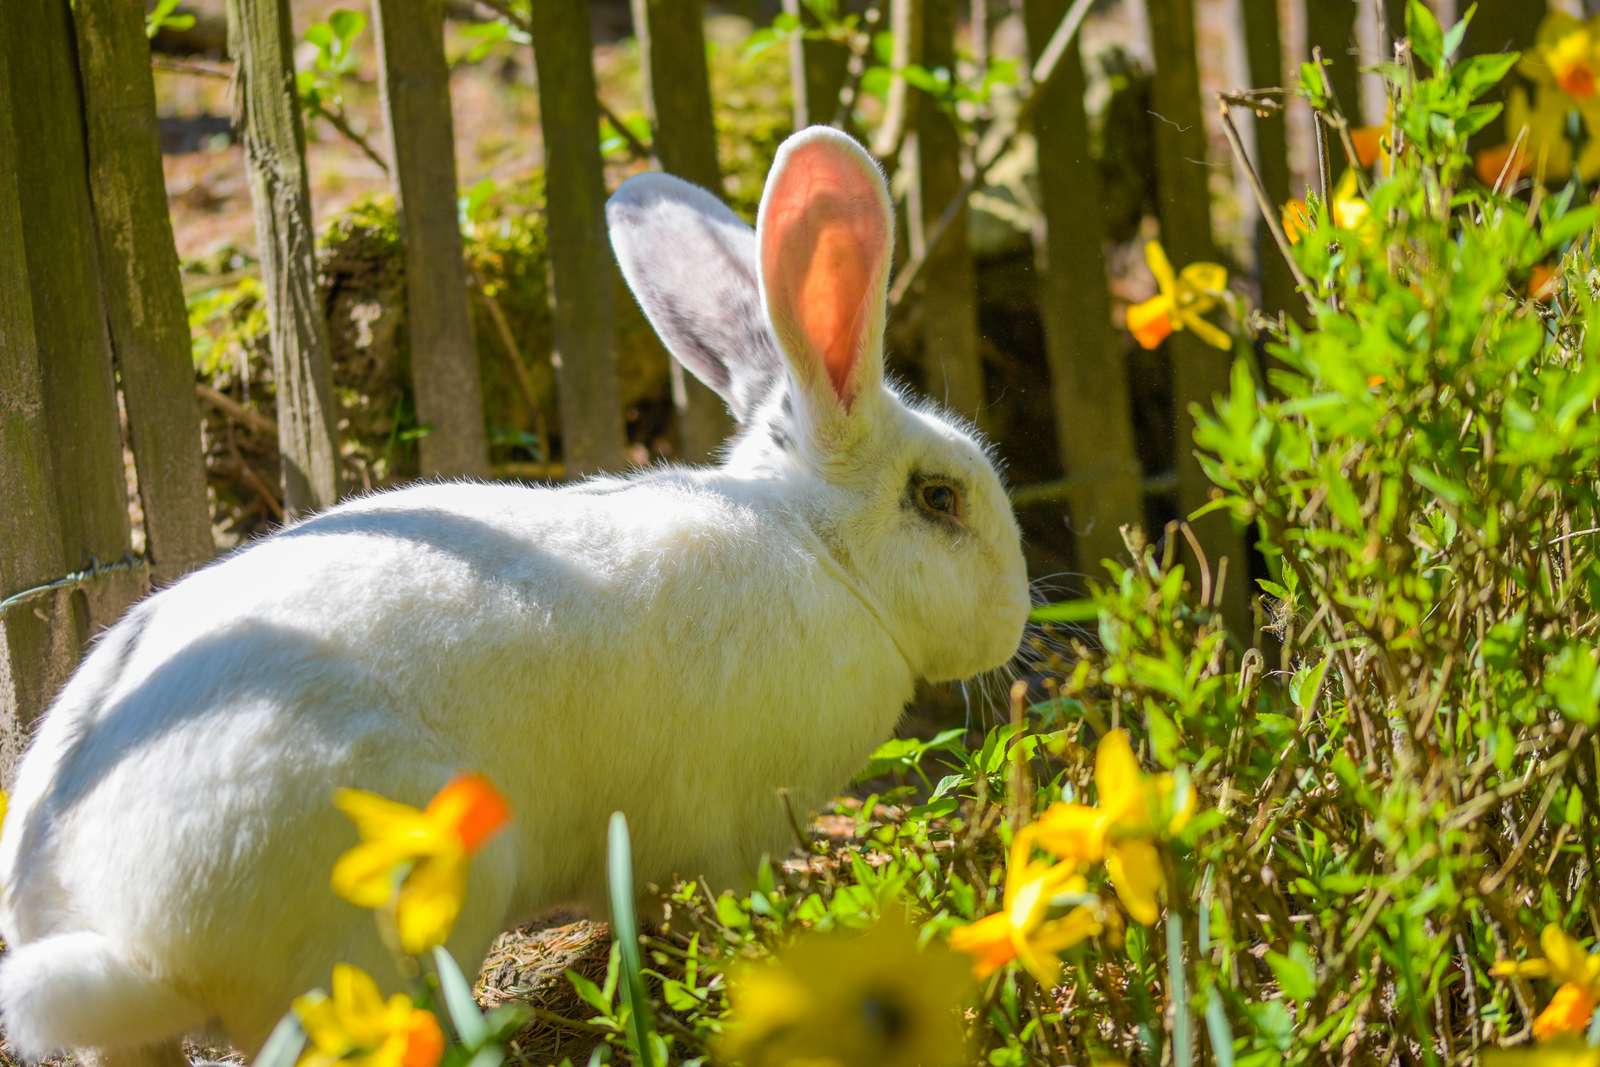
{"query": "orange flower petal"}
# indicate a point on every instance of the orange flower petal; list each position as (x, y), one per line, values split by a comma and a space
(1568, 1012)
(1491, 161)
(1150, 321)
(1368, 143)
(1542, 282)
(473, 807)
(988, 941)
(424, 1041)
(1296, 220)
(1577, 80)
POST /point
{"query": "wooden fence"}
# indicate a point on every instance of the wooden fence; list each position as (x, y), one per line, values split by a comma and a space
(90, 296)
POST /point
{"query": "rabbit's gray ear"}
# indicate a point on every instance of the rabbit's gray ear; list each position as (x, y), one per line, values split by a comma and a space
(691, 264)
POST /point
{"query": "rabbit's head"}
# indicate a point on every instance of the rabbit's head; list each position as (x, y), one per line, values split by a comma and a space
(786, 323)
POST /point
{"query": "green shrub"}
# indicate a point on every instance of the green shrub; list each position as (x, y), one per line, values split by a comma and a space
(1394, 783)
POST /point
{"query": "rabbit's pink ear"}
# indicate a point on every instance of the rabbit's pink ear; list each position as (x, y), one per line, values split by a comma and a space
(825, 234)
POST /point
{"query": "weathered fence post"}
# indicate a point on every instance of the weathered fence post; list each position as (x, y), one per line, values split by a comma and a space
(1331, 24)
(816, 70)
(261, 44)
(1088, 377)
(60, 446)
(1264, 56)
(1199, 373)
(672, 46)
(444, 358)
(144, 292)
(951, 357)
(581, 268)
(38, 641)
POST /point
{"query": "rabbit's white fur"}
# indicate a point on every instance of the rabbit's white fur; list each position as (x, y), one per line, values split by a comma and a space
(677, 645)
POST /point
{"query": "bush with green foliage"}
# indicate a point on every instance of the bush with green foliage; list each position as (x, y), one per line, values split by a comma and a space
(1395, 781)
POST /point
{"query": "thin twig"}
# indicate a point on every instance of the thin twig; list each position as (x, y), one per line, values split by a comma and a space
(237, 411)
(1337, 120)
(337, 120)
(1268, 212)
(1324, 177)
(192, 67)
(1044, 70)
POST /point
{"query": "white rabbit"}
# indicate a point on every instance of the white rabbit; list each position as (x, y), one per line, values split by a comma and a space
(678, 644)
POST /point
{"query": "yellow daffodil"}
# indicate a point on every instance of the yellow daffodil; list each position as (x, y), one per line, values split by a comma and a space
(424, 851)
(1020, 931)
(356, 1027)
(1566, 54)
(1134, 810)
(1549, 1054)
(1180, 301)
(840, 999)
(1578, 971)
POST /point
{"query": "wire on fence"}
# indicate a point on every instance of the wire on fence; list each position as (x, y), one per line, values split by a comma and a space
(94, 570)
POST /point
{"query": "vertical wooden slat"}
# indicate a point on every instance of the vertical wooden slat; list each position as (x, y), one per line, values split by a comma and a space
(1199, 372)
(63, 277)
(581, 267)
(62, 494)
(1088, 377)
(1332, 25)
(816, 71)
(444, 357)
(672, 45)
(1264, 55)
(38, 642)
(144, 293)
(952, 361)
(261, 44)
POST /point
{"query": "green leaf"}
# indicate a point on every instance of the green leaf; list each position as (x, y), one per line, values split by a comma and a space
(457, 994)
(589, 993)
(1453, 38)
(1427, 42)
(1296, 972)
(347, 24)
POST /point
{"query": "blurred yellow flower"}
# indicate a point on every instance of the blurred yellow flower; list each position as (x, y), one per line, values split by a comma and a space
(356, 1027)
(1578, 971)
(1545, 150)
(1180, 301)
(1566, 53)
(1553, 1054)
(1134, 809)
(1020, 931)
(872, 999)
(424, 851)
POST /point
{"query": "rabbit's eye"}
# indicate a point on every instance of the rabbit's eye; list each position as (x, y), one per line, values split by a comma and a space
(938, 498)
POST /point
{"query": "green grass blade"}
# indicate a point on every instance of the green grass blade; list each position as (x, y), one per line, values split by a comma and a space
(1178, 987)
(625, 929)
(283, 1045)
(457, 993)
